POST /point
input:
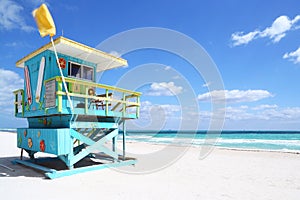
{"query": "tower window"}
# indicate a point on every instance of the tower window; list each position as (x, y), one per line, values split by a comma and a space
(80, 71)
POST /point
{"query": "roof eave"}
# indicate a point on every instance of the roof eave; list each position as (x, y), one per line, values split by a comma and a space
(71, 43)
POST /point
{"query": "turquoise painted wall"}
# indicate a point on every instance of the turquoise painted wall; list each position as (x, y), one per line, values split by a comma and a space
(51, 70)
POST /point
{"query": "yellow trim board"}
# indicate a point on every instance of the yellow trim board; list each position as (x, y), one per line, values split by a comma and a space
(72, 44)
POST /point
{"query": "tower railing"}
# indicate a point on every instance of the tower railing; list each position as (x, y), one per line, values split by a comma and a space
(19, 101)
(94, 96)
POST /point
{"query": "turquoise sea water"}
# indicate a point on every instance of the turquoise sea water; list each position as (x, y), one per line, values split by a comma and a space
(285, 141)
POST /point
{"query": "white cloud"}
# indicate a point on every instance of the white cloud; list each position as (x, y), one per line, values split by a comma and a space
(265, 116)
(11, 18)
(240, 38)
(247, 117)
(115, 53)
(235, 96)
(17, 44)
(168, 68)
(157, 116)
(176, 77)
(279, 28)
(164, 89)
(265, 106)
(9, 81)
(262, 112)
(168, 109)
(11, 44)
(206, 84)
(275, 32)
(202, 114)
(238, 113)
(283, 113)
(293, 56)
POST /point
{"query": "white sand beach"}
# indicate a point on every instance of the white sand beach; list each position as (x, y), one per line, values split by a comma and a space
(224, 174)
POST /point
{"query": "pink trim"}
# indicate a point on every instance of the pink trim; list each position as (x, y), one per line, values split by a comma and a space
(28, 87)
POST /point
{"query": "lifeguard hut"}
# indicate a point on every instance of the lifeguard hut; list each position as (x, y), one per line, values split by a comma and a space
(74, 123)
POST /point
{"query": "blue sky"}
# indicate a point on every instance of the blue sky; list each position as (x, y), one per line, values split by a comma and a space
(254, 44)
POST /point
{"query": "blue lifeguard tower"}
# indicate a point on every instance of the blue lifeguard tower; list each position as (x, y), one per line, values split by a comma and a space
(75, 123)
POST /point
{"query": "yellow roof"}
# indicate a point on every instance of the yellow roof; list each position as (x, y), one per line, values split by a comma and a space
(69, 47)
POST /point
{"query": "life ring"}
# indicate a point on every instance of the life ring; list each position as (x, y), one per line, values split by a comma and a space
(91, 92)
(42, 145)
(62, 63)
(30, 143)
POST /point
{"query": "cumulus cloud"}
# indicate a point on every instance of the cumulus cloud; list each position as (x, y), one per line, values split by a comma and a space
(169, 109)
(265, 106)
(279, 28)
(156, 116)
(11, 18)
(240, 38)
(293, 56)
(238, 113)
(9, 81)
(166, 109)
(235, 96)
(164, 89)
(262, 112)
(275, 32)
(281, 113)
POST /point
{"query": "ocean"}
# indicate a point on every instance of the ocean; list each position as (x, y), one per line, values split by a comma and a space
(283, 141)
